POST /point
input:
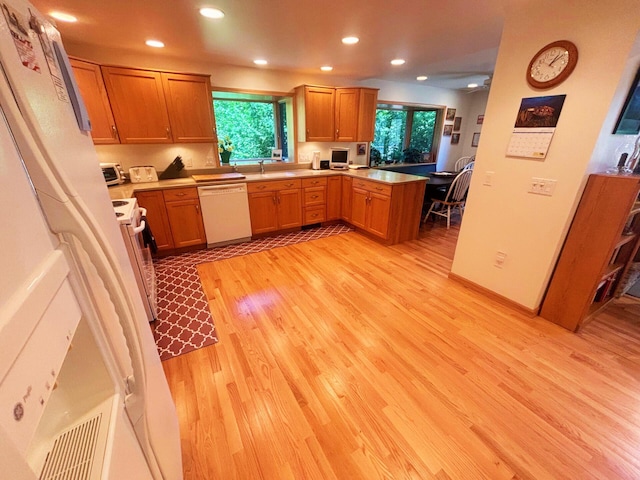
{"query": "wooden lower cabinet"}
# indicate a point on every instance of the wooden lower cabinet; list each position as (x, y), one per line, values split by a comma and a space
(334, 197)
(275, 205)
(153, 202)
(174, 217)
(346, 203)
(370, 211)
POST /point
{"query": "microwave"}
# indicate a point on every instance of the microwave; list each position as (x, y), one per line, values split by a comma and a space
(113, 173)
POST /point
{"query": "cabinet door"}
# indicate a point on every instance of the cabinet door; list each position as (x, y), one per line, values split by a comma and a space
(138, 104)
(289, 208)
(153, 201)
(378, 214)
(347, 184)
(89, 80)
(367, 114)
(263, 212)
(359, 203)
(190, 107)
(334, 197)
(347, 102)
(186, 223)
(319, 108)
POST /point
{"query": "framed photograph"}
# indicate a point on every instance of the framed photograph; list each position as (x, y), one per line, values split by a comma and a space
(447, 130)
(457, 123)
(480, 120)
(362, 149)
(276, 154)
(451, 114)
(455, 139)
(629, 120)
(476, 139)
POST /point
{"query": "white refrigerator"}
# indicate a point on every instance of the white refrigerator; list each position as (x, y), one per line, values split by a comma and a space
(82, 391)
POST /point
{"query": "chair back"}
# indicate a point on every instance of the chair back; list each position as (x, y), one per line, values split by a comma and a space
(469, 166)
(459, 186)
(461, 163)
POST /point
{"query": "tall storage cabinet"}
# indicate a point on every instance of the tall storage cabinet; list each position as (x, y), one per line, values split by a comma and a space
(601, 245)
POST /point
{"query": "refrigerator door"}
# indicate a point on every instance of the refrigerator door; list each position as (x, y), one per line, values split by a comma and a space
(65, 172)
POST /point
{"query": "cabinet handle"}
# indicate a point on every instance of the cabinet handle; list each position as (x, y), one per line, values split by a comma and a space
(274, 199)
(198, 208)
(337, 132)
(379, 188)
(261, 187)
(278, 198)
(314, 196)
(181, 194)
(114, 132)
(314, 215)
(168, 132)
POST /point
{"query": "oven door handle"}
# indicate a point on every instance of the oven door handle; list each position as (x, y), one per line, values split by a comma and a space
(141, 227)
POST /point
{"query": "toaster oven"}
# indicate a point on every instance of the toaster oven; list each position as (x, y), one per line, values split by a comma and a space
(113, 173)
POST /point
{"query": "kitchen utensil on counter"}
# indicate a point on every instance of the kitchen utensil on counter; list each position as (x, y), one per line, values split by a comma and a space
(173, 170)
(142, 174)
(315, 161)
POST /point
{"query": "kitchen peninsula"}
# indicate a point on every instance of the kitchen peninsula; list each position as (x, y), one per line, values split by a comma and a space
(383, 205)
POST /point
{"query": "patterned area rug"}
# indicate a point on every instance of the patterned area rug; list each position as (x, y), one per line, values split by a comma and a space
(184, 320)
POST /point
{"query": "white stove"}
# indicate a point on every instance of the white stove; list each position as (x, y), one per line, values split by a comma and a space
(125, 209)
(132, 220)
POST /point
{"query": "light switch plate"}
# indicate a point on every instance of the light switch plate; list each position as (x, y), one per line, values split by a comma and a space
(542, 186)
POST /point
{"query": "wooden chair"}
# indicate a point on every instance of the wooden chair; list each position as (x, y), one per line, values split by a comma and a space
(470, 165)
(455, 196)
(461, 163)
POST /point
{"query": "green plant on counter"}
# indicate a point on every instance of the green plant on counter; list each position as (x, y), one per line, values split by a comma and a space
(225, 147)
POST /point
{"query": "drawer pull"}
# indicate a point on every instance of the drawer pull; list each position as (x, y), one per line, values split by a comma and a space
(261, 187)
(379, 188)
(314, 196)
(181, 194)
(288, 184)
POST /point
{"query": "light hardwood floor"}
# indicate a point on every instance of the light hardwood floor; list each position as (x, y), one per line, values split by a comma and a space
(344, 359)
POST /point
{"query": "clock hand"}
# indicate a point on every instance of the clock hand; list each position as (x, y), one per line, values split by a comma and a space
(558, 57)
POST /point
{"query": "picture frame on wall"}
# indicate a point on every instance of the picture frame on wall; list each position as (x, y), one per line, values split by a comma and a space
(451, 114)
(476, 139)
(480, 120)
(457, 123)
(455, 139)
(361, 148)
(629, 119)
(447, 130)
(276, 154)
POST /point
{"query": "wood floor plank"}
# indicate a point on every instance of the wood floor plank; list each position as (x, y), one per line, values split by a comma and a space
(341, 358)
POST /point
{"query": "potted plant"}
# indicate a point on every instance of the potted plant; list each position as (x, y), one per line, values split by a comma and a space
(225, 147)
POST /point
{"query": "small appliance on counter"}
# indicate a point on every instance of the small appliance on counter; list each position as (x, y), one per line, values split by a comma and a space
(315, 161)
(143, 174)
(113, 173)
(324, 164)
(173, 170)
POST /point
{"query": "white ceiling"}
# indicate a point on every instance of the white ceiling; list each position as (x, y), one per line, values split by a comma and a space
(454, 42)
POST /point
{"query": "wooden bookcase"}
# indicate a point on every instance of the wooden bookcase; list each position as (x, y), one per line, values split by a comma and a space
(601, 245)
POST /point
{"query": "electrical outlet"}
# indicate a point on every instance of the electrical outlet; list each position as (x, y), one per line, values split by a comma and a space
(304, 157)
(542, 186)
(488, 179)
(188, 162)
(209, 160)
(501, 257)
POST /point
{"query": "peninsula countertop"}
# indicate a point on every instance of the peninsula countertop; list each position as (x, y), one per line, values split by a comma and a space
(127, 190)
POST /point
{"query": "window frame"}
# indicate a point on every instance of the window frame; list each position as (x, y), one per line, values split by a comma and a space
(276, 101)
(411, 108)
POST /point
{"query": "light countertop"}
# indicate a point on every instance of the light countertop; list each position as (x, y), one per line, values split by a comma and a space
(127, 190)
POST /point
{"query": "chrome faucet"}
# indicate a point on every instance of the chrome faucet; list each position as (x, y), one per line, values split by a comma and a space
(261, 163)
(235, 167)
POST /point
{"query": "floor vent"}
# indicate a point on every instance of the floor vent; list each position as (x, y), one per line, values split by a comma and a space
(72, 454)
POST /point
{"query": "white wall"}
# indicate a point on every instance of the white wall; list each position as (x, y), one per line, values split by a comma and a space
(264, 79)
(504, 217)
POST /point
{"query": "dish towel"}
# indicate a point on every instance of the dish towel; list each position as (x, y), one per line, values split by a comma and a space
(147, 237)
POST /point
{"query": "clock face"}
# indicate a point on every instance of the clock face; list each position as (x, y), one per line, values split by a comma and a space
(552, 64)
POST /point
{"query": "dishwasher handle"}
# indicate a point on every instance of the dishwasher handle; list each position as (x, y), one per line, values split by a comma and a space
(225, 189)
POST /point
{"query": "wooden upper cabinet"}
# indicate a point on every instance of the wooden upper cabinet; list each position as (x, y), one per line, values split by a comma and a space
(347, 101)
(327, 114)
(368, 104)
(190, 107)
(138, 104)
(89, 80)
(319, 116)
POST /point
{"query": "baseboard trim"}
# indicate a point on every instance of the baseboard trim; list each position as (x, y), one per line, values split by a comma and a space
(494, 296)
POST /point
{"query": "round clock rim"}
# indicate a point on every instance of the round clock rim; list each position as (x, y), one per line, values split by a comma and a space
(562, 76)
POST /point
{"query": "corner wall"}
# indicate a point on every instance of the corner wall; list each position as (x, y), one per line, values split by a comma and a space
(529, 228)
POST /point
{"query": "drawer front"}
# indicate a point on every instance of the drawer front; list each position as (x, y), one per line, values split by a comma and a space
(376, 187)
(315, 196)
(315, 215)
(254, 187)
(314, 182)
(173, 194)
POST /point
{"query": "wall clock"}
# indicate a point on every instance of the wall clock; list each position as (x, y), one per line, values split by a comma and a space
(552, 64)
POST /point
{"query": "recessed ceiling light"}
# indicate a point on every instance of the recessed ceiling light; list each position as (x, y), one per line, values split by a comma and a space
(63, 17)
(260, 61)
(326, 68)
(211, 12)
(154, 43)
(472, 85)
(397, 61)
(421, 78)
(350, 40)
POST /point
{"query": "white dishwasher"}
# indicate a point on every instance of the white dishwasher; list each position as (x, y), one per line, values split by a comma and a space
(225, 211)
